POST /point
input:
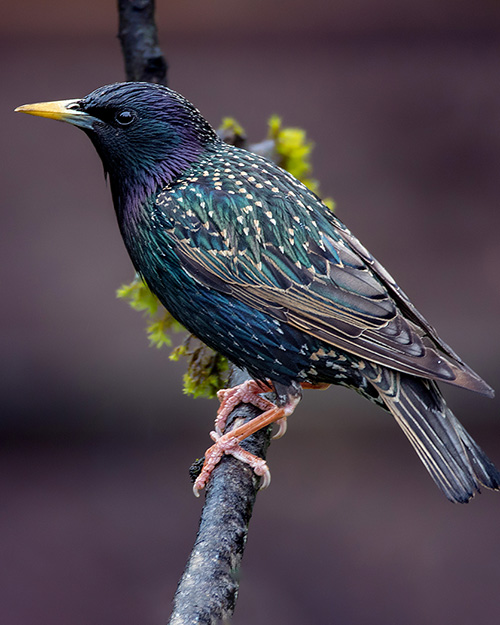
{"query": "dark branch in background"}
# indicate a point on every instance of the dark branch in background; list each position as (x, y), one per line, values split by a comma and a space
(139, 40)
(208, 588)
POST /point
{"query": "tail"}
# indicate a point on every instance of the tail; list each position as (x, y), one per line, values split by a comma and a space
(456, 463)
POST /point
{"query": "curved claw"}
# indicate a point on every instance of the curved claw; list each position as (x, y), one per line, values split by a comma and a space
(266, 479)
(197, 489)
(282, 427)
(229, 444)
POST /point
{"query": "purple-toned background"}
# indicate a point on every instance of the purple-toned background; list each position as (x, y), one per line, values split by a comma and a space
(97, 516)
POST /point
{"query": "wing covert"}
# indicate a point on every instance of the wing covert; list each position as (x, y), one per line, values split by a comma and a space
(277, 248)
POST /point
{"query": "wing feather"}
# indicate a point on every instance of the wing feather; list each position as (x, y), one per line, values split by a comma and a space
(287, 255)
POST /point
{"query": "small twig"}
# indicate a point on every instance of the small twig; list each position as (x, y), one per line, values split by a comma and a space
(209, 586)
(139, 41)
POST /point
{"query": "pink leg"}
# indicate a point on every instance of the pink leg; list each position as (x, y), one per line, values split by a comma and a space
(250, 392)
(230, 443)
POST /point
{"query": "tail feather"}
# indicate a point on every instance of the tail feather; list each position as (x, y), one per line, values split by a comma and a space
(486, 471)
(456, 463)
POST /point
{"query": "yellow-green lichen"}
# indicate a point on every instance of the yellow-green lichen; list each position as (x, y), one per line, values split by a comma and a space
(231, 125)
(206, 370)
(294, 152)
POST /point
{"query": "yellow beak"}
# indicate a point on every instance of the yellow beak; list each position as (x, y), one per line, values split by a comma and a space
(61, 110)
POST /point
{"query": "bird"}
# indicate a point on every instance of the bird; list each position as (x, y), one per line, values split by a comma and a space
(252, 263)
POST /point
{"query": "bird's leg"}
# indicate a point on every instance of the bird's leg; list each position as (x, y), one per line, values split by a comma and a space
(247, 393)
(229, 443)
(250, 392)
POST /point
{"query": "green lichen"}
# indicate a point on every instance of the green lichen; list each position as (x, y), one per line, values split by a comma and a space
(294, 152)
(232, 132)
(139, 296)
(231, 125)
(206, 370)
(160, 323)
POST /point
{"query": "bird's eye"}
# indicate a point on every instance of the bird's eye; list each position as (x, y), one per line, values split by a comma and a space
(124, 118)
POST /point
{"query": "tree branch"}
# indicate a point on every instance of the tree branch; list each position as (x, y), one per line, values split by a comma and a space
(139, 41)
(209, 586)
(208, 589)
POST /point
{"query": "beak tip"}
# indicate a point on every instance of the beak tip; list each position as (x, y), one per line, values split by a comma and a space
(61, 110)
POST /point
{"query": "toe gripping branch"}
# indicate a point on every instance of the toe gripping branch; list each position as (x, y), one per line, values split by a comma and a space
(250, 392)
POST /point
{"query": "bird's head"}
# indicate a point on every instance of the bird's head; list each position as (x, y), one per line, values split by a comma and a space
(146, 135)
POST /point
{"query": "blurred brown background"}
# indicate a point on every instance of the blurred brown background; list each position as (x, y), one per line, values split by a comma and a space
(97, 516)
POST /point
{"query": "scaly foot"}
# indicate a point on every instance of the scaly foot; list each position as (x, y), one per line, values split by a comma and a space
(250, 392)
(229, 443)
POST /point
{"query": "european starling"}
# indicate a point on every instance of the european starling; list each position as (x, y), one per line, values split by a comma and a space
(257, 267)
